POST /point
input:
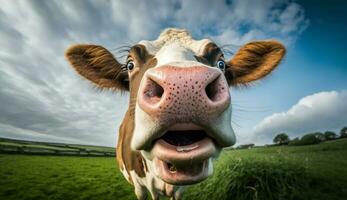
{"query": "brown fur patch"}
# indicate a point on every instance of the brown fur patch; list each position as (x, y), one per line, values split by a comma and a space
(210, 55)
(98, 65)
(143, 61)
(133, 160)
(254, 61)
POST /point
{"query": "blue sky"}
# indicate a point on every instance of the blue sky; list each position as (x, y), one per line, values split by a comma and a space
(43, 99)
(315, 63)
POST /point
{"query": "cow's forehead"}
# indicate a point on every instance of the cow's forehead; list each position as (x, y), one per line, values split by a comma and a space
(175, 39)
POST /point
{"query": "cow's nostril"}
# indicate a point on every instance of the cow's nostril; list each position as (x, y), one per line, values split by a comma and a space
(212, 89)
(153, 91)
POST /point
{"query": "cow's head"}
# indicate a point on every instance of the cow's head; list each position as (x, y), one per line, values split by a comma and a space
(179, 96)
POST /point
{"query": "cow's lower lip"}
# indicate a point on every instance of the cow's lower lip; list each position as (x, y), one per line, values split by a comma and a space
(181, 165)
(184, 174)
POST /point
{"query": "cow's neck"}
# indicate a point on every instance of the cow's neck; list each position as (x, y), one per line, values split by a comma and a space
(128, 159)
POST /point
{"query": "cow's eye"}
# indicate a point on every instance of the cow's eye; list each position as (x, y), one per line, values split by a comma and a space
(221, 64)
(130, 65)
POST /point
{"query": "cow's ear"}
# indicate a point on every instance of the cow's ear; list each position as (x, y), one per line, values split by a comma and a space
(98, 65)
(254, 61)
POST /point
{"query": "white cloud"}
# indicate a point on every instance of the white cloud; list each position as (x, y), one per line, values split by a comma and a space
(318, 112)
(41, 97)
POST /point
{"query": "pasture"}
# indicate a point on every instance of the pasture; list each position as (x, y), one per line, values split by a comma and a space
(46, 148)
(295, 172)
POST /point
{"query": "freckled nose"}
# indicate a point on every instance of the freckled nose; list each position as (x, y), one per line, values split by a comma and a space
(184, 91)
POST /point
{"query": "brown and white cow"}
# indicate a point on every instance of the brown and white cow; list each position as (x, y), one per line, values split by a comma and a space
(179, 114)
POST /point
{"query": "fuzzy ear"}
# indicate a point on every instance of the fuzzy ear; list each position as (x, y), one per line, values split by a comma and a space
(98, 65)
(254, 61)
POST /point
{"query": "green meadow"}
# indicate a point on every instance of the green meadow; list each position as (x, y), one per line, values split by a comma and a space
(282, 172)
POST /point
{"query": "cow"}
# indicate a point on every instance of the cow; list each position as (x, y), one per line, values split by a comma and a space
(179, 114)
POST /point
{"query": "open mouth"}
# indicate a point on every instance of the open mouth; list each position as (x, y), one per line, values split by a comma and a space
(183, 156)
(183, 138)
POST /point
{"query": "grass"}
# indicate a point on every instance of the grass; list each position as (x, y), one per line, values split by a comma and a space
(57, 177)
(284, 172)
(41, 146)
(290, 172)
(94, 148)
(36, 146)
(11, 144)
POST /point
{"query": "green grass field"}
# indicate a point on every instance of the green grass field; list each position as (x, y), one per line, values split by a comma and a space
(296, 172)
(54, 146)
(46, 148)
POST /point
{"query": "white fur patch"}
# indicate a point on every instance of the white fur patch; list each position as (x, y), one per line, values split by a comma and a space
(125, 173)
(152, 184)
(145, 127)
(175, 45)
(174, 52)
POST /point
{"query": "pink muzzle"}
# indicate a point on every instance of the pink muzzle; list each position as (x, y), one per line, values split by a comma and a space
(196, 94)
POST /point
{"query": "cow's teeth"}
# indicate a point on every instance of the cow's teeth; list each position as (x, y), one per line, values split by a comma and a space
(185, 149)
(172, 168)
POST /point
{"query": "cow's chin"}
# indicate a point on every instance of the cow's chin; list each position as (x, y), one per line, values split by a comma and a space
(183, 157)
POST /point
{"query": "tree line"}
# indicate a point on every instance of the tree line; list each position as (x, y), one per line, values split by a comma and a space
(310, 138)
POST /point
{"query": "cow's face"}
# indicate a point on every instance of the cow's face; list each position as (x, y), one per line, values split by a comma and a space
(179, 95)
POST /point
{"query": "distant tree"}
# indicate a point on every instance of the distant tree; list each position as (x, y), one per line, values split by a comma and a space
(295, 141)
(320, 136)
(343, 132)
(329, 135)
(281, 139)
(245, 146)
(310, 138)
